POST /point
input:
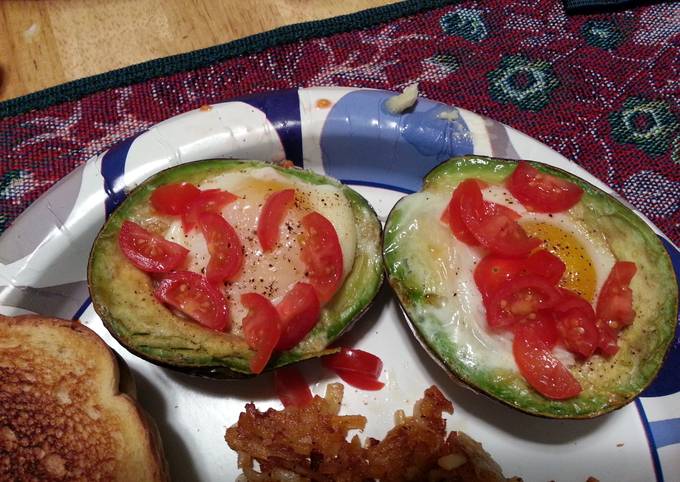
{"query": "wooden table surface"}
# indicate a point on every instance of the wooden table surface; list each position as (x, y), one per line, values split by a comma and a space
(45, 43)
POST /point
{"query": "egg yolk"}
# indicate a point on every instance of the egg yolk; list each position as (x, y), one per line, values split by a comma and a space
(579, 275)
(255, 187)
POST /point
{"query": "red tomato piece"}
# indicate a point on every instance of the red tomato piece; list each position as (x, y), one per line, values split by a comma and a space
(607, 341)
(542, 192)
(576, 323)
(492, 271)
(356, 361)
(261, 329)
(292, 388)
(212, 201)
(493, 208)
(615, 302)
(496, 231)
(453, 218)
(578, 331)
(149, 252)
(191, 294)
(545, 373)
(545, 264)
(299, 311)
(569, 300)
(501, 235)
(174, 198)
(452, 214)
(542, 328)
(322, 255)
(357, 380)
(519, 299)
(273, 212)
(224, 246)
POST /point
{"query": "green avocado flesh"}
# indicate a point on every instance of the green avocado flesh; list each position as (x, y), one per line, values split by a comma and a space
(415, 252)
(123, 296)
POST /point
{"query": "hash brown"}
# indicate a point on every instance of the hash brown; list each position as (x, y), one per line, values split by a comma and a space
(310, 443)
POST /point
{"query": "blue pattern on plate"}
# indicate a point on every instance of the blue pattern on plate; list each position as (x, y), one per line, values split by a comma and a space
(363, 144)
(653, 449)
(282, 109)
(665, 432)
(113, 169)
(86, 304)
(667, 381)
(362, 140)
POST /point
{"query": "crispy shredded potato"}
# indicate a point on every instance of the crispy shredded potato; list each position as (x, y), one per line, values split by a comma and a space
(310, 444)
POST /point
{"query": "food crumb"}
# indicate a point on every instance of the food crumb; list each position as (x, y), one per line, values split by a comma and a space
(448, 115)
(31, 32)
(397, 104)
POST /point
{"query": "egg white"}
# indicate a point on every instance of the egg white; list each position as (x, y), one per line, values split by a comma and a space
(273, 273)
(449, 272)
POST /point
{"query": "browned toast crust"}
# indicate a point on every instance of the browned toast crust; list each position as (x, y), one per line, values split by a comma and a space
(62, 413)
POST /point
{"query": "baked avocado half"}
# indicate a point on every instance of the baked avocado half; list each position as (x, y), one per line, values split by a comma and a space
(432, 274)
(124, 296)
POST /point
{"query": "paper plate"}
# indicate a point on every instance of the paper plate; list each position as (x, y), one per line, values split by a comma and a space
(347, 134)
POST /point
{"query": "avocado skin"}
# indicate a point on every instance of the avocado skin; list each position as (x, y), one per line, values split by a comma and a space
(643, 346)
(148, 329)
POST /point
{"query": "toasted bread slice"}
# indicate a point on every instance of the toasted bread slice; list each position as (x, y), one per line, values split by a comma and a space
(62, 413)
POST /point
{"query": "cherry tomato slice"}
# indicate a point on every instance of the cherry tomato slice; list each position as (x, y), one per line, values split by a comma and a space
(212, 201)
(493, 208)
(149, 252)
(542, 192)
(607, 341)
(261, 329)
(357, 380)
(299, 311)
(224, 246)
(174, 199)
(191, 294)
(545, 373)
(322, 255)
(518, 299)
(578, 331)
(569, 300)
(496, 231)
(493, 271)
(453, 218)
(547, 265)
(615, 302)
(355, 361)
(624, 271)
(542, 328)
(501, 235)
(273, 212)
(452, 215)
(292, 388)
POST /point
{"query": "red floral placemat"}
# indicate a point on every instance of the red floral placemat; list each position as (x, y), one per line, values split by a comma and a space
(601, 89)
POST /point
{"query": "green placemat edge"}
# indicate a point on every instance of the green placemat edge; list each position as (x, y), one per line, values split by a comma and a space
(173, 64)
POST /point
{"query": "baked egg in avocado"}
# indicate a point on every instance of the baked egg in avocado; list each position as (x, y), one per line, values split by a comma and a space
(532, 286)
(221, 268)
